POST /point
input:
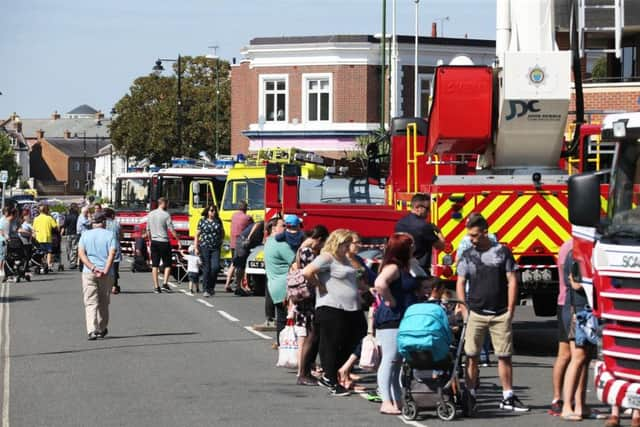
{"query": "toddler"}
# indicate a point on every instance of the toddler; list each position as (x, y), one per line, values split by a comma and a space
(193, 269)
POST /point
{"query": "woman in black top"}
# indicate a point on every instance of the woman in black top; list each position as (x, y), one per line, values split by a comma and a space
(207, 243)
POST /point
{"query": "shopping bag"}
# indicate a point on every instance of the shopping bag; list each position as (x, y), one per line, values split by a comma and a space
(288, 349)
(370, 355)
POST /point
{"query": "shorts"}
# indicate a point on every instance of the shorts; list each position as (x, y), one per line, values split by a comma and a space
(194, 277)
(3, 250)
(499, 326)
(46, 247)
(160, 251)
(562, 329)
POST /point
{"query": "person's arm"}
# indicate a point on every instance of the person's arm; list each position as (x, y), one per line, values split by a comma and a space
(172, 229)
(383, 282)
(311, 271)
(109, 263)
(440, 242)
(196, 240)
(512, 284)
(84, 258)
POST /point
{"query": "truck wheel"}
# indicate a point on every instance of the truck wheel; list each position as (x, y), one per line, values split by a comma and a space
(257, 284)
(544, 305)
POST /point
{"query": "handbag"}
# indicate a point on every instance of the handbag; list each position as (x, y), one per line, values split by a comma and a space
(288, 348)
(370, 355)
(586, 326)
(298, 289)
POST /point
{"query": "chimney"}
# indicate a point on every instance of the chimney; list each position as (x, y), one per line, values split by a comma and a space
(55, 115)
(99, 115)
(13, 116)
(434, 30)
(18, 124)
(67, 134)
(39, 134)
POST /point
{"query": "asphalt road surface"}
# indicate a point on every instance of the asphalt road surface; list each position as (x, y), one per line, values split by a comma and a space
(178, 360)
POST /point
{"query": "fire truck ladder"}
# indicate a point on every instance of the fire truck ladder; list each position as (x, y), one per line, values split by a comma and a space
(598, 8)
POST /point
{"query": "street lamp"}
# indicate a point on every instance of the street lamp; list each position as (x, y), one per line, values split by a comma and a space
(416, 96)
(441, 20)
(157, 70)
(215, 128)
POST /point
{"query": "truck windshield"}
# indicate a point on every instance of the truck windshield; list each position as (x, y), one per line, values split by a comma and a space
(624, 201)
(249, 189)
(132, 193)
(175, 190)
(340, 190)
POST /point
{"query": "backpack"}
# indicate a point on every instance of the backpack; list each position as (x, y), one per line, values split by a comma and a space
(425, 328)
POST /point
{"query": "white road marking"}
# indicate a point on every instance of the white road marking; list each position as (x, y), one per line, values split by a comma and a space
(200, 300)
(227, 316)
(185, 292)
(7, 360)
(260, 334)
(173, 285)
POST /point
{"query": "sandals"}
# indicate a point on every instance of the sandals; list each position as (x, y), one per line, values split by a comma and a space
(612, 421)
(572, 417)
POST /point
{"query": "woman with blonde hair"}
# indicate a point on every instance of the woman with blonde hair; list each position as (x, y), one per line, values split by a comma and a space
(337, 306)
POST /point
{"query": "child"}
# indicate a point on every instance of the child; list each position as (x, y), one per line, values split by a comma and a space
(140, 257)
(193, 268)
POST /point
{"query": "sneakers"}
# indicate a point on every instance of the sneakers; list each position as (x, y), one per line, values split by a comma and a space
(102, 334)
(115, 289)
(166, 288)
(157, 291)
(266, 326)
(326, 382)
(513, 404)
(339, 391)
(93, 336)
(206, 294)
(556, 408)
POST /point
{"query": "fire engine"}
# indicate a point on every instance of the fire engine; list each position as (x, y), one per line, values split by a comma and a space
(493, 143)
(607, 256)
(188, 184)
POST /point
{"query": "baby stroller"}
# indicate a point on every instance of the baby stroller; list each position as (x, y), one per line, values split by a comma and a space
(431, 375)
(56, 248)
(38, 258)
(17, 260)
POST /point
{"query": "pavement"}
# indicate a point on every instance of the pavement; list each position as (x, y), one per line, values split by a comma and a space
(182, 360)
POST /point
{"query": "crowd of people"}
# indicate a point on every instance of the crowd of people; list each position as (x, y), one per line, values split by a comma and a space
(343, 301)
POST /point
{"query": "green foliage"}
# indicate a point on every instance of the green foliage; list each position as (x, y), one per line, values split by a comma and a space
(145, 124)
(8, 160)
(60, 208)
(599, 70)
(380, 136)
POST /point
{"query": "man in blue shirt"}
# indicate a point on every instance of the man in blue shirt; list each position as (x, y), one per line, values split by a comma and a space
(97, 250)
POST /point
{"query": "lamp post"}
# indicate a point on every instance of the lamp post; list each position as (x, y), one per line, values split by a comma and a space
(216, 58)
(157, 70)
(416, 96)
(441, 20)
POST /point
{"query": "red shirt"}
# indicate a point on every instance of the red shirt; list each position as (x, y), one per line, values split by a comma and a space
(239, 222)
(562, 257)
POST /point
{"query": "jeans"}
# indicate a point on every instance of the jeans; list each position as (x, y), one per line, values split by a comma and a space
(70, 243)
(269, 307)
(210, 268)
(389, 369)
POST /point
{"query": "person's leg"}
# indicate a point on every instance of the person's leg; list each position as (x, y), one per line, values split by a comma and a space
(580, 407)
(477, 327)
(269, 307)
(215, 268)
(230, 276)
(329, 321)
(387, 339)
(310, 348)
(90, 297)
(281, 319)
(501, 337)
(104, 295)
(205, 259)
(73, 258)
(559, 369)
(571, 380)
(155, 264)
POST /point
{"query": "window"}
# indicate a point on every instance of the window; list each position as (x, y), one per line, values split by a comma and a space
(318, 97)
(76, 183)
(274, 94)
(424, 83)
(87, 166)
(628, 61)
(76, 166)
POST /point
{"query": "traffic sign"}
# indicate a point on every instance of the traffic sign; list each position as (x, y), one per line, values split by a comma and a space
(4, 177)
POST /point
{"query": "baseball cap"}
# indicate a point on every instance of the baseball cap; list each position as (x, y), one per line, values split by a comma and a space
(292, 220)
(99, 217)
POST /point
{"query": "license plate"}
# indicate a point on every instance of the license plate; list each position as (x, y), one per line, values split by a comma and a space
(127, 235)
(634, 400)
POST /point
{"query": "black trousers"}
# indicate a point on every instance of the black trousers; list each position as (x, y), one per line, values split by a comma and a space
(338, 331)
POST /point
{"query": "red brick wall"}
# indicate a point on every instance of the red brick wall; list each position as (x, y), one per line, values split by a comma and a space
(355, 95)
(609, 98)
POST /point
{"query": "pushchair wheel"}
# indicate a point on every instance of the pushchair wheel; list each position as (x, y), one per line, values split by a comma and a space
(446, 411)
(43, 270)
(410, 411)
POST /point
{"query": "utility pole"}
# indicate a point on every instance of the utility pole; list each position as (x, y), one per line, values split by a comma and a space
(383, 74)
(217, 111)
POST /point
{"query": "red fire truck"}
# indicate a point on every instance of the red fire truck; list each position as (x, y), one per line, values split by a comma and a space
(186, 180)
(607, 255)
(493, 144)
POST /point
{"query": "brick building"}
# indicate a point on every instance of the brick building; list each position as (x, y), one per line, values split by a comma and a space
(320, 93)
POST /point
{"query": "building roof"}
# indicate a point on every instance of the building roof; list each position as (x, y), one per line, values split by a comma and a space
(366, 38)
(76, 147)
(56, 128)
(83, 109)
(16, 137)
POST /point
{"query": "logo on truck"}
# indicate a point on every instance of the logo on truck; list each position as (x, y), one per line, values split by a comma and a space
(520, 108)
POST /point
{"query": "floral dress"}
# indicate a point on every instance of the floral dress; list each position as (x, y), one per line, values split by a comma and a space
(211, 233)
(304, 311)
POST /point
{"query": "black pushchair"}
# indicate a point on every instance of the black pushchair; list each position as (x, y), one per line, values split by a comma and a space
(38, 258)
(17, 260)
(429, 384)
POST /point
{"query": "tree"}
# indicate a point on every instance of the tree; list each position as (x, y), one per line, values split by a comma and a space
(8, 160)
(599, 70)
(145, 124)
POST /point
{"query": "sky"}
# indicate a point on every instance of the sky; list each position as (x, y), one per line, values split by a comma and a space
(58, 54)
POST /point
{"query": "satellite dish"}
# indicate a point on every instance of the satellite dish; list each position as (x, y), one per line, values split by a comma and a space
(461, 60)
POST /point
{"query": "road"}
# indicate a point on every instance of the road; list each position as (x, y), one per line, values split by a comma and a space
(172, 360)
